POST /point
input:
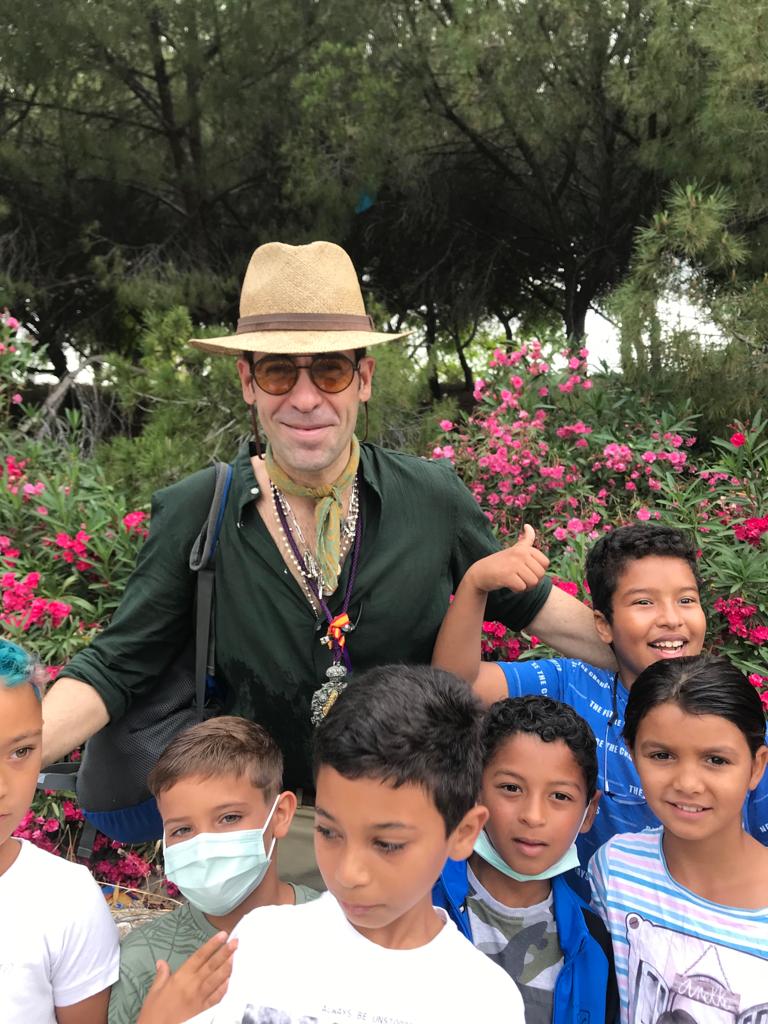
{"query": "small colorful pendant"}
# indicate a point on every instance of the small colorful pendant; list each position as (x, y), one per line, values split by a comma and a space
(324, 698)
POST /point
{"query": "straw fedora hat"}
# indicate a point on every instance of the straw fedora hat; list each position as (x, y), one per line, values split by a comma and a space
(299, 299)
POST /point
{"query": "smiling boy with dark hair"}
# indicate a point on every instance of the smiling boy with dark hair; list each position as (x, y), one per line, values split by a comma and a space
(645, 588)
(510, 899)
(398, 768)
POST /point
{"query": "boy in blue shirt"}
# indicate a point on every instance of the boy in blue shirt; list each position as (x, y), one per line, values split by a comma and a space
(644, 585)
(509, 898)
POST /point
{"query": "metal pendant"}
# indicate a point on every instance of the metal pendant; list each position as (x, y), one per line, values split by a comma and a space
(324, 698)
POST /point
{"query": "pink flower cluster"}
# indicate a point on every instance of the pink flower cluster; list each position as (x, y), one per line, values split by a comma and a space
(134, 523)
(73, 549)
(737, 613)
(751, 530)
(47, 831)
(759, 682)
(126, 868)
(22, 608)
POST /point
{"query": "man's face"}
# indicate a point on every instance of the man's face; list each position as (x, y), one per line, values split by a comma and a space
(656, 613)
(21, 727)
(381, 849)
(310, 430)
(537, 797)
(221, 803)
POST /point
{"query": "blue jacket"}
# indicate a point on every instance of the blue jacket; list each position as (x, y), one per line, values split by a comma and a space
(585, 990)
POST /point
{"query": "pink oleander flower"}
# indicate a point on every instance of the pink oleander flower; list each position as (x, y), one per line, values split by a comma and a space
(738, 440)
(132, 521)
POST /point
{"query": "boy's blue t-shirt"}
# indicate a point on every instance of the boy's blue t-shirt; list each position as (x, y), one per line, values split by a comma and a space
(589, 691)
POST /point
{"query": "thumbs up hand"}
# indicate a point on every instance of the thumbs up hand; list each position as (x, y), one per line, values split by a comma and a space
(519, 567)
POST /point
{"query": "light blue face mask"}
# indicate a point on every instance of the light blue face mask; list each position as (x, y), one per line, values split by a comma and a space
(484, 848)
(217, 870)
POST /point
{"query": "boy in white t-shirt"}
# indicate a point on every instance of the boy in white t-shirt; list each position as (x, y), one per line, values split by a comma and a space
(58, 943)
(398, 767)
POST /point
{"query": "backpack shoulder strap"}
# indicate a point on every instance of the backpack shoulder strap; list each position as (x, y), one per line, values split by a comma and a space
(204, 548)
(201, 561)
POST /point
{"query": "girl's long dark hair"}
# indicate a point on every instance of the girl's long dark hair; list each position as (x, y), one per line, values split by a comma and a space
(699, 686)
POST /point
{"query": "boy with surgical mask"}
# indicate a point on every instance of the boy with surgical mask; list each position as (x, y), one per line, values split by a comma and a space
(509, 898)
(218, 789)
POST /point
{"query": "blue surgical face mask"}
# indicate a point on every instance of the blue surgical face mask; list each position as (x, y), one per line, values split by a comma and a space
(217, 870)
(484, 848)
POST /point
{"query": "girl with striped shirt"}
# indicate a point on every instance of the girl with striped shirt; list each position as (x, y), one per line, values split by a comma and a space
(687, 904)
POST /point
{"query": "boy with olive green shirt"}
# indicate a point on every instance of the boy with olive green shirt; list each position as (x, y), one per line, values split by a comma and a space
(217, 786)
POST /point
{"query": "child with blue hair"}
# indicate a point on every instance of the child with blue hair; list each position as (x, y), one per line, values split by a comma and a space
(58, 943)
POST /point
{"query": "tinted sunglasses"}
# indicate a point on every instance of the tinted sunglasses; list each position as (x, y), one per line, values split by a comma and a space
(330, 372)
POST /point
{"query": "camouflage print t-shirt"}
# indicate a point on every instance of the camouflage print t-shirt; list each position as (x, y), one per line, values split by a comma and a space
(521, 940)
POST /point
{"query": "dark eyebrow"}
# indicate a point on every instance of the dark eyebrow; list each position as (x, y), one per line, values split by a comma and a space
(378, 825)
(654, 590)
(725, 751)
(32, 734)
(551, 782)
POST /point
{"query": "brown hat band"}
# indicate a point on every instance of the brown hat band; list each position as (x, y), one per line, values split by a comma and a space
(304, 322)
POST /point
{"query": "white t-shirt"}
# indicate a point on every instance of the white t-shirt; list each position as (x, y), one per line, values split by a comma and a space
(58, 942)
(308, 965)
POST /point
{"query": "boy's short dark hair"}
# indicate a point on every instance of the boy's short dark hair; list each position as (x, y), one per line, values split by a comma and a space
(607, 558)
(548, 719)
(221, 746)
(406, 724)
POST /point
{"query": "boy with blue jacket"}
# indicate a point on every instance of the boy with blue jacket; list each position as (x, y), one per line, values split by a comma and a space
(510, 898)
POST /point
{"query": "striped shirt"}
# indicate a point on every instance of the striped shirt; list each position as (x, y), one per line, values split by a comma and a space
(674, 950)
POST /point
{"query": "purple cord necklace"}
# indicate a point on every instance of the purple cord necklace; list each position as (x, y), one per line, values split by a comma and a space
(339, 626)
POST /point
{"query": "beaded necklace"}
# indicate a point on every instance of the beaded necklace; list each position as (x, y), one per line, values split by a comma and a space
(339, 626)
(308, 566)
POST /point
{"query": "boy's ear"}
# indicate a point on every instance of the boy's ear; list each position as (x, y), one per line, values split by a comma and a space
(758, 767)
(603, 628)
(461, 841)
(592, 808)
(284, 812)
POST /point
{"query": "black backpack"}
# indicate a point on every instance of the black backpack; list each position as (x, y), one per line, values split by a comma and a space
(112, 777)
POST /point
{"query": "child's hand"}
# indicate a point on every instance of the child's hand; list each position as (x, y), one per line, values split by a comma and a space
(519, 567)
(199, 984)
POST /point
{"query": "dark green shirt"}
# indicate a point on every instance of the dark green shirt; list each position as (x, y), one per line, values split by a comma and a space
(422, 530)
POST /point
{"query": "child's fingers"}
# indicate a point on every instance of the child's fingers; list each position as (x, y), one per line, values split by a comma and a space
(216, 981)
(162, 974)
(216, 996)
(539, 556)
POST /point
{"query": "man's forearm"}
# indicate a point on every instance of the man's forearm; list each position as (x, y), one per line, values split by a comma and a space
(568, 626)
(458, 644)
(72, 712)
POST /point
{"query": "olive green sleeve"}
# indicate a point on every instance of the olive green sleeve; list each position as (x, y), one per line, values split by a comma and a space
(130, 990)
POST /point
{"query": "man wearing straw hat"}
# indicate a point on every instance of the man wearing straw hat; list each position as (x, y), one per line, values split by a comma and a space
(334, 555)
